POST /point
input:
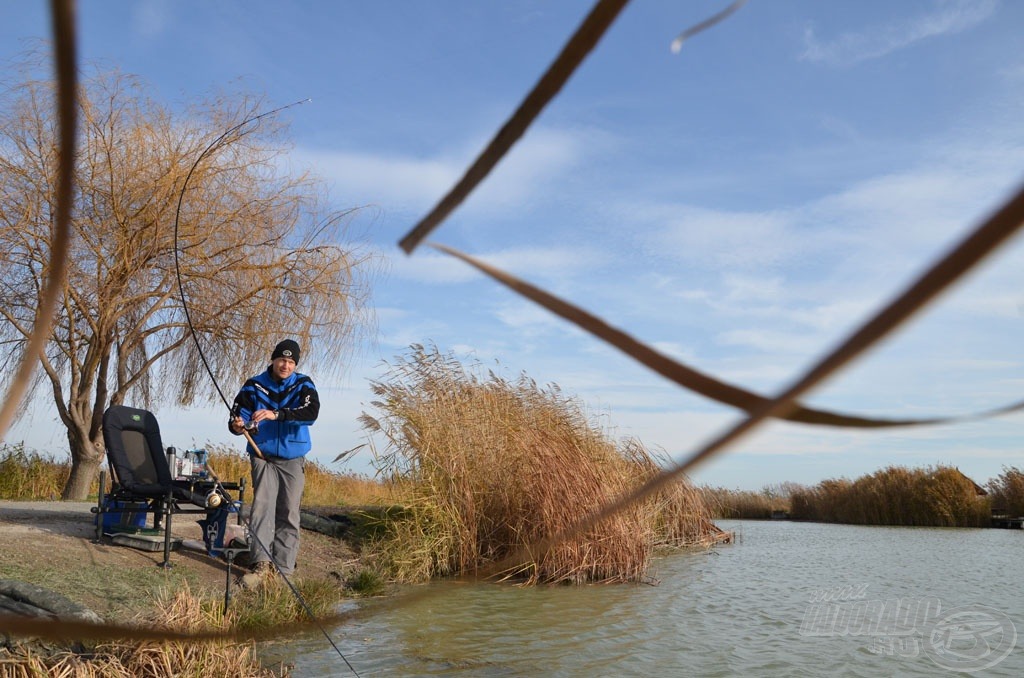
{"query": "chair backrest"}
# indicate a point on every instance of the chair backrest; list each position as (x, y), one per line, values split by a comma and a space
(135, 452)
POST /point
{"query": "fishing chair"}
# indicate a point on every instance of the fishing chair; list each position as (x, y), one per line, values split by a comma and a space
(142, 482)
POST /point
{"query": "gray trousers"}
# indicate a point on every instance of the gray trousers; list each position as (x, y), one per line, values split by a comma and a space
(277, 491)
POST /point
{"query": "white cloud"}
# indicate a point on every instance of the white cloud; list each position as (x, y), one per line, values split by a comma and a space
(772, 341)
(677, 432)
(717, 238)
(947, 17)
(753, 289)
(425, 266)
(527, 319)
(397, 183)
(149, 18)
(760, 375)
(832, 314)
(528, 171)
(838, 252)
(533, 264)
(991, 301)
(675, 350)
(422, 326)
(407, 183)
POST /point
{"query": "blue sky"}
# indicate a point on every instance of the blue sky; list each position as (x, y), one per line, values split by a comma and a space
(741, 205)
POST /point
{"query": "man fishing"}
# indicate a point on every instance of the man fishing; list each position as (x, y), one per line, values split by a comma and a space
(276, 407)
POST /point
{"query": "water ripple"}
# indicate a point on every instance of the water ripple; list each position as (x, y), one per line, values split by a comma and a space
(736, 611)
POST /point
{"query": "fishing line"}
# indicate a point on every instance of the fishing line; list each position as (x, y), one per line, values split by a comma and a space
(213, 146)
(295, 592)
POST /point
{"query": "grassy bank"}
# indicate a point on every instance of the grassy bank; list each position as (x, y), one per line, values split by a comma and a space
(187, 598)
(182, 611)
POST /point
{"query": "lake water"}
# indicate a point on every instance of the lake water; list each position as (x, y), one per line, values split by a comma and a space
(788, 599)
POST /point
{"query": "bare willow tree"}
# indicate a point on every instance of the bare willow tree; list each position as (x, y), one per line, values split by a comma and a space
(259, 255)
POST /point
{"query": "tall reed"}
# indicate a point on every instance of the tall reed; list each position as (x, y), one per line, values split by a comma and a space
(486, 467)
(323, 487)
(1007, 492)
(27, 474)
(939, 496)
(747, 504)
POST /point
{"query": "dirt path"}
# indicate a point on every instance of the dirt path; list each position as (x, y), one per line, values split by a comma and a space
(51, 544)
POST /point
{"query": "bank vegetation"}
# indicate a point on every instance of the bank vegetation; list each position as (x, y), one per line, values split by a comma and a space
(181, 611)
(933, 496)
(488, 469)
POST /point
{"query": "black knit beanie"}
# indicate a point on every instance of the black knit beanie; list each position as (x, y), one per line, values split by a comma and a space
(286, 349)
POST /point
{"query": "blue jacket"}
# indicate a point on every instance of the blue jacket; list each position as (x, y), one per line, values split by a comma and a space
(297, 405)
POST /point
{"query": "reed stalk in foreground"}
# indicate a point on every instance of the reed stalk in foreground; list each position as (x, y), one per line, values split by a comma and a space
(485, 467)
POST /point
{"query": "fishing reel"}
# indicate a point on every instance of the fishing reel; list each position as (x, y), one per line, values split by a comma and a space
(215, 499)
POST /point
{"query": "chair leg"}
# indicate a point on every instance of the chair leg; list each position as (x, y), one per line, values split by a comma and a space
(230, 553)
(241, 500)
(166, 509)
(99, 506)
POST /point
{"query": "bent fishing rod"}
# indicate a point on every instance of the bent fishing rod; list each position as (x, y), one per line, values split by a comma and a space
(218, 486)
(213, 146)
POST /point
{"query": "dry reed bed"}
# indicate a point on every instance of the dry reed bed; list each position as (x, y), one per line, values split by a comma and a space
(939, 496)
(487, 467)
(31, 475)
(1006, 493)
(747, 504)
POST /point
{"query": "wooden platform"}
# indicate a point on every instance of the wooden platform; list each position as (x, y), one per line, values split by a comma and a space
(1008, 522)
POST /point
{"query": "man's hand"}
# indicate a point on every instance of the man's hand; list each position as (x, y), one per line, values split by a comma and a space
(263, 415)
(237, 426)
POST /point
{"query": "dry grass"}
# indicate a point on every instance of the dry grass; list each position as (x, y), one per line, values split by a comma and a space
(939, 496)
(28, 475)
(486, 467)
(323, 486)
(181, 611)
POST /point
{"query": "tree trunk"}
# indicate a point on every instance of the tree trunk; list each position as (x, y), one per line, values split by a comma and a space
(80, 481)
(86, 458)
